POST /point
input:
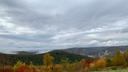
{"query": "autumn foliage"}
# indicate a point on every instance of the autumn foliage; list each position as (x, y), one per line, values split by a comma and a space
(22, 67)
(102, 62)
(98, 64)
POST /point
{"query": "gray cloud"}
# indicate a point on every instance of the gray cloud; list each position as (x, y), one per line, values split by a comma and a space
(46, 24)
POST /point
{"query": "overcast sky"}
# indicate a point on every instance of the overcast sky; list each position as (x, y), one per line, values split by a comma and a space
(55, 24)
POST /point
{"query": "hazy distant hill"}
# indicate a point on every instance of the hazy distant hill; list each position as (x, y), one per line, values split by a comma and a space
(10, 59)
(95, 51)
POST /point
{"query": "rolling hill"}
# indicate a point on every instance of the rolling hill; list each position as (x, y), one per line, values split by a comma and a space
(37, 59)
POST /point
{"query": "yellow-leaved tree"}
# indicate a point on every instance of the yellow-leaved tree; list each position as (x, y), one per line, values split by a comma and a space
(48, 62)
(118, 59)
(126, 57)
(48, 59)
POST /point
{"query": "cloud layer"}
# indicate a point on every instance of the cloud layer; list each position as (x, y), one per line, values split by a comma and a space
(51, 24)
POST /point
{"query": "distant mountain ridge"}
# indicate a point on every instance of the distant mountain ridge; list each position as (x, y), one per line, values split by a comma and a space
(96, 51)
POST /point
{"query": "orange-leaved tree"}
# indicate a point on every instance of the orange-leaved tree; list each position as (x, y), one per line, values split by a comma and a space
(101, 62)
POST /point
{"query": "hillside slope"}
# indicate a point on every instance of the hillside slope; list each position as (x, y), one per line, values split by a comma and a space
(10, 59)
